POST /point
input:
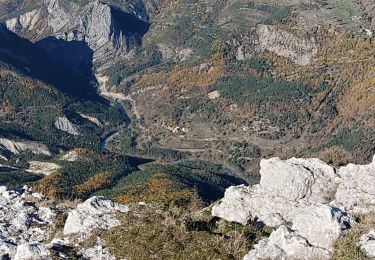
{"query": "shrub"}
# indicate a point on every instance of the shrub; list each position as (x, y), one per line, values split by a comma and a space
(346, 246)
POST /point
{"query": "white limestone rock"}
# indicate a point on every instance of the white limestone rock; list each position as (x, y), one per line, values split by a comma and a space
(98, 252)
(32, 251)
(62, 123)
(7, 248)
(70, 156)
(95, 23)
(19, 239)
(58, 18)
(285, 190)
(285, 244)
(299, 50)
(235, 205)
(17, 147)
(367, 243)
(92, 119)
(24, 22)
(45, 168)
(321, 225)
(46, 215)
(294, 192)
(356, 189)
(297, 179)
(94, 213)
(262, 38)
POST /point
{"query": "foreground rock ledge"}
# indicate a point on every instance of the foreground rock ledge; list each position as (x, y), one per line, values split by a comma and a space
(28, 231)
(306, 200)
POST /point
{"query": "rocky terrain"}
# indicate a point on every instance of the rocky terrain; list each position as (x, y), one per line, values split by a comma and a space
(29, 225)
(309, 203)
(305, 205)
(275, 75)
(125, 122)
(18, 147)
(60, 27)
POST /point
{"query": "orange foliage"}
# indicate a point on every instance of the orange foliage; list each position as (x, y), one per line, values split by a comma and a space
(347, 65)
(360, 98)
(84, 152)
(7, 108)
(94, 183)
(50, 186)
(167, 197)
(158, 191)
(28, 84)
(202, 75)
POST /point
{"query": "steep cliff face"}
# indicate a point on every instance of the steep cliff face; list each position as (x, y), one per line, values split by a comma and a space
(18, 147)
(300, 50)
(104, 30)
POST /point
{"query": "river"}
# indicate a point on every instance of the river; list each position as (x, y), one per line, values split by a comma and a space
(109, 137)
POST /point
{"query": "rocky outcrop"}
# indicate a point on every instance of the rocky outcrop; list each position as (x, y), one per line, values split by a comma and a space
(45, 168)
(284, 243)
(92, 119)
(286, 187)
(108, 32)
(16, 147)
(300, 50)
(356, 189)
(21, 225)
(175, 53)
(70, 156)
(62, 123)
(27, 225)
(367, 243)
(32, 251)
(94, 213)
(98, 252)
(312, 198)
(27, 21)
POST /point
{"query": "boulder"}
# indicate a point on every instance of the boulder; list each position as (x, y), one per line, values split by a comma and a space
(356, 189)
(285, 244)
(367, 243)
(285, 189)
(297, 179)
(62, 123)
(321, 225)
(94, 213)
(235, 205)
(298, 193)
(32, 251)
